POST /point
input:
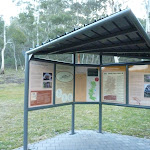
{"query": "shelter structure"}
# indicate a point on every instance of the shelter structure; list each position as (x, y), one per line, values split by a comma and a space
(51, 83)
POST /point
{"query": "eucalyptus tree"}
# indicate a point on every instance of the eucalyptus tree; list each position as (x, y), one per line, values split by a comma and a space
(147, 7)
(17, 39)
(86, 12)
(4, 43)
(55, 17)
(26, 20)
(94, 9)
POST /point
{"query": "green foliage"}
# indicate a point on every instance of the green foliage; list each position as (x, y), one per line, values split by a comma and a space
(1, 43)
(17, 35)
(60, 18)
(1, 25)
(1, 32)
(45, 19)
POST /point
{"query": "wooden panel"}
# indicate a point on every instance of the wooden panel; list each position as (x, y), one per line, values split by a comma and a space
(80, 89)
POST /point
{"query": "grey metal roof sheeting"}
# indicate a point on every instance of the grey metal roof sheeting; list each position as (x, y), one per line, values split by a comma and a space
(120, 34)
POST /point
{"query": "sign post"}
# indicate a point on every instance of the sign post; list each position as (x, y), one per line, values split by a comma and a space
(26, 95)
(73, 105)
(100, 102)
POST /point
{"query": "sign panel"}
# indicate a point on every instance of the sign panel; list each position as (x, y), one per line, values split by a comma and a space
(40, 83)
(113, 84)
(87, 84)
(139, 85)
(64, 84)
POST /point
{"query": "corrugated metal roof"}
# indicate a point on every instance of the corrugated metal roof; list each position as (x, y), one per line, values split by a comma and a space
(120, 34)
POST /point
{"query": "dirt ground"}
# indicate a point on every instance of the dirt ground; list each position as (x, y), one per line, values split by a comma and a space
(12, 76)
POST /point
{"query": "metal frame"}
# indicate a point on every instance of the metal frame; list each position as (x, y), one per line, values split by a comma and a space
(26, 95)
(100, 103)
(73, 104)
(127, 84)
(100, 95)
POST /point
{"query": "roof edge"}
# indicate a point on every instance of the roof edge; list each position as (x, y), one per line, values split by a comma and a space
(69, 35)
(140, 28)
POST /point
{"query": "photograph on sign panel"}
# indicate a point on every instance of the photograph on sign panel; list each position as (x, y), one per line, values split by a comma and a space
(47, 84)
(146, 77)
(146, 90)
(47, 76)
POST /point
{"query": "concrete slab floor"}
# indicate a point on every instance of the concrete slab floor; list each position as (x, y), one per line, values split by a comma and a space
(91, 140)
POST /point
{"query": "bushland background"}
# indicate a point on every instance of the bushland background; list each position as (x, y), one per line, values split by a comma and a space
(37, 22)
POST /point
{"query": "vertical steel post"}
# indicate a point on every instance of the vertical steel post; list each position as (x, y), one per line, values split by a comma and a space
(100, 95)
(127, 85)
(54, 84)
(73, 105)
(25, 142)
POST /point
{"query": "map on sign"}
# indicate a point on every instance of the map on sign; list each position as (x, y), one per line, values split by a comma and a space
(113, 86)
(92, 84)
(64, 83)
(64, 76)
(92, 90)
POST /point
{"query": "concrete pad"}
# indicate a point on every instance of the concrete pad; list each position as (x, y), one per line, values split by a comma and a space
(91, 140)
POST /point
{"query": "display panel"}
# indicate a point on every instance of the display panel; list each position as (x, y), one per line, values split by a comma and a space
(114, 84)
(40, 83)
(139, 85)
(87, 84)
(64, 83)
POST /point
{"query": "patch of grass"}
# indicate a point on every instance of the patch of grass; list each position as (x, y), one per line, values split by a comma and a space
(11, 116)
(128, 121)
(115, 119)
(50, 122)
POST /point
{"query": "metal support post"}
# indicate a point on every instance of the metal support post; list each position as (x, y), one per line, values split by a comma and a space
(25, 142)
(73, 105)
(54, 85)
(100, 94)
(127, 85)
(73, 113)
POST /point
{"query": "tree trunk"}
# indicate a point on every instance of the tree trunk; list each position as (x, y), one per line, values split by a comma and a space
(82, 58)
(92, 59)
(78, 58)
(14, 48)
(73, 58)
(116, 59)
(97, 60)
(3, 51)
(37, 32)
(22, 68)
(147, 5)
(87, 58)
(33, 45)
(37, 15)
(3, 58)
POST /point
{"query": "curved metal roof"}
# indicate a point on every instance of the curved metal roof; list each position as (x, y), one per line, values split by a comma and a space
(120, 34)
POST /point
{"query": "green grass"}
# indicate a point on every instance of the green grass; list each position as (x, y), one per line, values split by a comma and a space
(50, 122)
